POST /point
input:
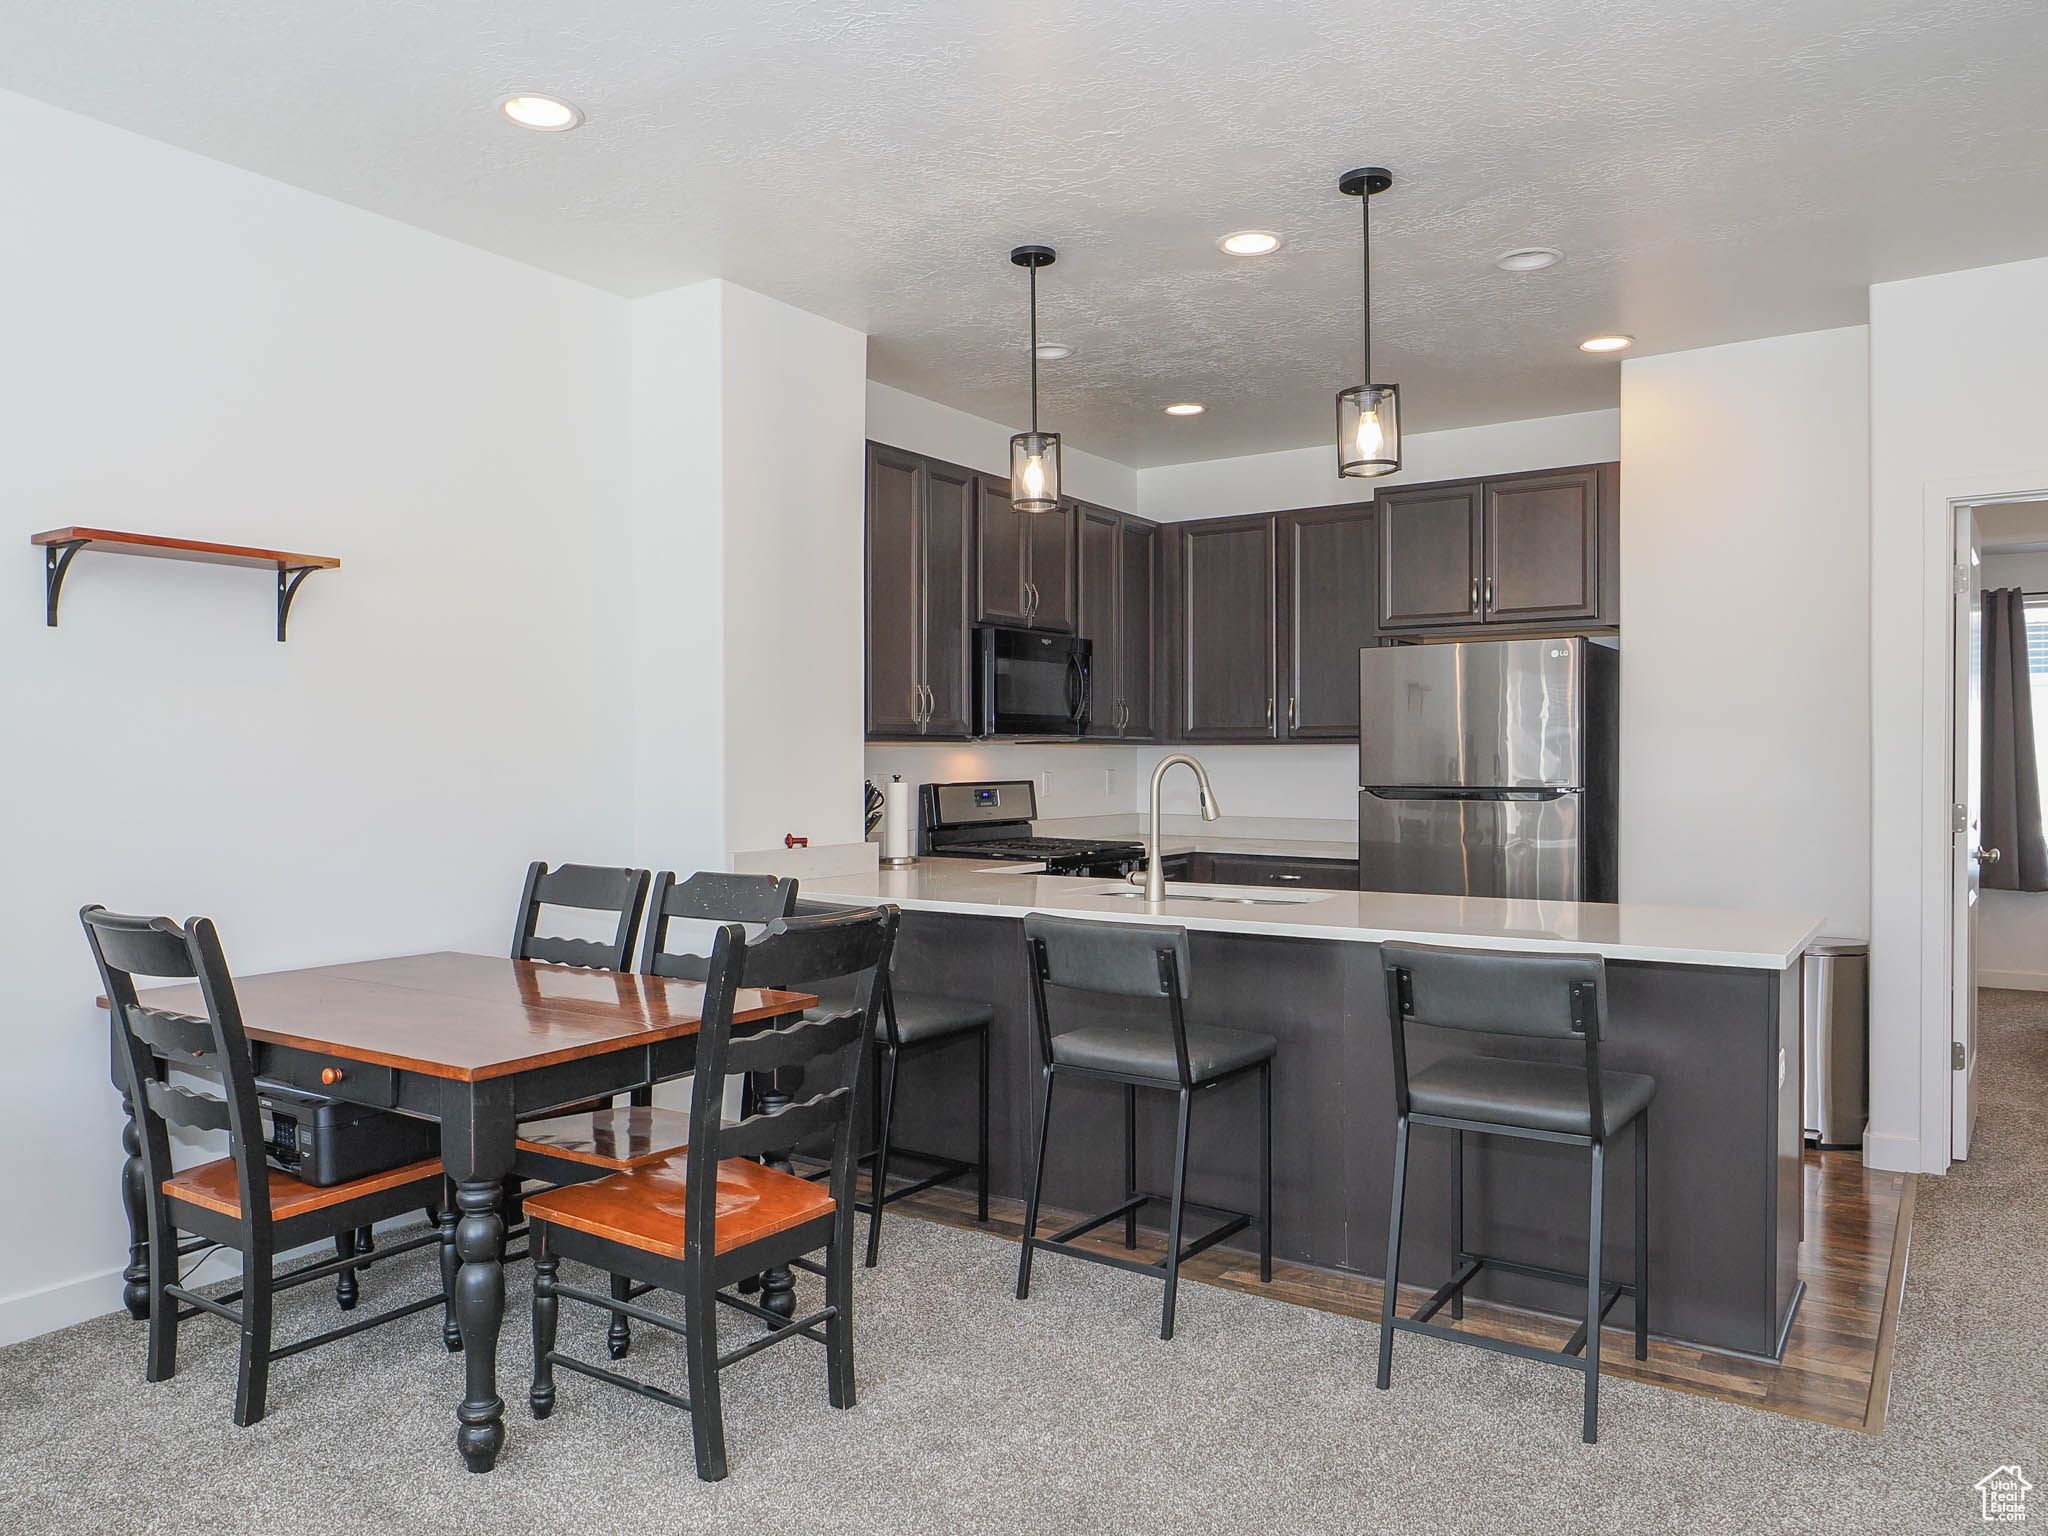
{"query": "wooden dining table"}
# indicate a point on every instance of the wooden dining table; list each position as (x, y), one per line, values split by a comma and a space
(477, 1043)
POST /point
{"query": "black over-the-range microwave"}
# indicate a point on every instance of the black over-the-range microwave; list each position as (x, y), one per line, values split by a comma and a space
(1030, 684)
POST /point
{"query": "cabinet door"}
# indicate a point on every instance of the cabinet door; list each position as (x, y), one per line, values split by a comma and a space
(1429, 566)
(948, 538)
(894, 601)
(1326, 618)
(1137, 618)
(1228, 684)
(1050, 538)
(1097, 612)
(1001, 556)
(1542, 547)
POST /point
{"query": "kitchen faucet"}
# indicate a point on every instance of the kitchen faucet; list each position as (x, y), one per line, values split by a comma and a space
(1153, 877)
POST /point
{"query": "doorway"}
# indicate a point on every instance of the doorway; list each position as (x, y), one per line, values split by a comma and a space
(1997, 937)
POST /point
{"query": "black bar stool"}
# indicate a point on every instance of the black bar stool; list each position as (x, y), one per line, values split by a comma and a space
(1137, 960)
(1543, 996)
(914, 1023)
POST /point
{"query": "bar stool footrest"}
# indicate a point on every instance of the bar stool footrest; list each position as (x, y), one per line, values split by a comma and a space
(1062, 1240)
(1470, 1266)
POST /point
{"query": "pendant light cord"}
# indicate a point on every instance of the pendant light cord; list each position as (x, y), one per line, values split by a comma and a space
(1365, 210)
(1033, 271)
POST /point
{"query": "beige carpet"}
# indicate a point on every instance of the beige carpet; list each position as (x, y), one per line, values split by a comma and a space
(979, 1413)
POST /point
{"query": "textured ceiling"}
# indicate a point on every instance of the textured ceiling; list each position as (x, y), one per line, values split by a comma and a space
(1714, 172)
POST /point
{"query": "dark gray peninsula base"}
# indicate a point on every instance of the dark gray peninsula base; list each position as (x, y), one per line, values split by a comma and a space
(1721, 1041)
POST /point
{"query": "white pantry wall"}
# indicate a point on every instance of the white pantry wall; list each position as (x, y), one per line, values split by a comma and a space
(1745, 621)
(1958, 396)
(195, 350)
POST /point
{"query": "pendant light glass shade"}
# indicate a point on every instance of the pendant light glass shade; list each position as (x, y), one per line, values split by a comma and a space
(1368, 415)
(1035, 471)
(1368, 430)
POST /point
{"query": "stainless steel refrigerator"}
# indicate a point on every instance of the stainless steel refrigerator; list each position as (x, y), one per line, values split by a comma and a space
(1489, 768)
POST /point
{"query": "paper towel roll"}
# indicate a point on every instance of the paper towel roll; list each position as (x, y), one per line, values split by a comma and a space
(899, 841)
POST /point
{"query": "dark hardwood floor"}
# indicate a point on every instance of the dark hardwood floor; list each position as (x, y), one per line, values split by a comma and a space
(1837, 1362)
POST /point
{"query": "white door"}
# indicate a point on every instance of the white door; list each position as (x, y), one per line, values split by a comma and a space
(1967, 793)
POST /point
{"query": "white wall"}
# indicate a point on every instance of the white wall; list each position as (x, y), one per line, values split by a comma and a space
(745, 575)
(195, 350)
(1745, 616)
(1307, 477)
(795, 397)
(676, 576)
(1958, 396)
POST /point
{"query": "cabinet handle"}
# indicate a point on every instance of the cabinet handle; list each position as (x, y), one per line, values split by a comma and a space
(330, 1076)
(1294, 712)
(1489, 594)
(931, 703)
(1475, 594)
(1269, 712)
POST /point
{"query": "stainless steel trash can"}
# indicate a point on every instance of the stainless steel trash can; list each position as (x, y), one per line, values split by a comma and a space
(1836, 1027)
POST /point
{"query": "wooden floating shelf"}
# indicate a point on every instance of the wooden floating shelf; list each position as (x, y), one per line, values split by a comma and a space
(60, 545)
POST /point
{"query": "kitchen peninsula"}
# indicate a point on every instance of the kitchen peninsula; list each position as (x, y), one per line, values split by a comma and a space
(1706, 1001)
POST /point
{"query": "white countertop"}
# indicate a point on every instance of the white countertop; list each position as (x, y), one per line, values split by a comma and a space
(1669, 935)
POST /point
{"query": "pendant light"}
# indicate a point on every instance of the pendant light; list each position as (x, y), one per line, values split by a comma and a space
(1368, 414)
(1034, 455)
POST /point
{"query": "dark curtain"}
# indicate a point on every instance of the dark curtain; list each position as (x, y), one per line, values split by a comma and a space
(2012, 777)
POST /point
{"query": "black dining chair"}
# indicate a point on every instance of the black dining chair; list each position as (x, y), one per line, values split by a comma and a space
(591, 889)
(588, 1143)
(1143, 966)
(1558, 997)
(700, 1222)
(238, 1202)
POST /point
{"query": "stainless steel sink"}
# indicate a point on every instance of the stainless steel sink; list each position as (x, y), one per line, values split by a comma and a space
(1226, 895)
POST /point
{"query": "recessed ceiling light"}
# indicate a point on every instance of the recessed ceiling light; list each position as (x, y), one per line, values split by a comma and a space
(1054, 351)
(1251, 242)
(1606, 343)
(1530, 258)
(1185, 408)
(548, 114)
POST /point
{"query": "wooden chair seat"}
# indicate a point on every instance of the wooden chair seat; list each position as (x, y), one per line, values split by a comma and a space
(611, 1138)
(214, 1186)
(643, 1207)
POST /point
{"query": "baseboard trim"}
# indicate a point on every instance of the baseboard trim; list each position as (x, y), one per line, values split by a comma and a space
(1898, 1154)
(2015, 981)
(60, 1305)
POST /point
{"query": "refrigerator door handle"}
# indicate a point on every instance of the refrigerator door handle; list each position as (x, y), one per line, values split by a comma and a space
(1422, 792)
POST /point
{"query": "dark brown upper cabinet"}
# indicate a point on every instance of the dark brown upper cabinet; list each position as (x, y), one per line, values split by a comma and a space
(1226, 667)
(1524, 551)
(1327, 617)
(920, 516)
(1542, 538)
(1024, 563)
(1429, 554)
(1118, 577)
